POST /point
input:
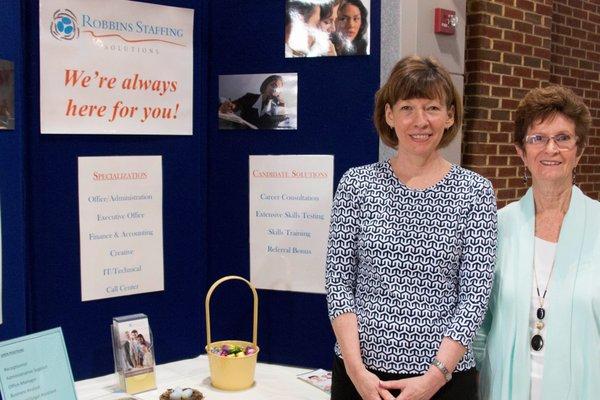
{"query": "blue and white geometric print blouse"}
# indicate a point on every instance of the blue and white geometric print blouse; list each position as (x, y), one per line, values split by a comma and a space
(413, 265)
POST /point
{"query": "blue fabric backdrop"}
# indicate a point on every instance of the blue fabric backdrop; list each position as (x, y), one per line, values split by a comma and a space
(12, 184)
(205, 195)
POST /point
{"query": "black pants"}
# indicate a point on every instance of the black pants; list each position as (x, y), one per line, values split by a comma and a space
(463, 385)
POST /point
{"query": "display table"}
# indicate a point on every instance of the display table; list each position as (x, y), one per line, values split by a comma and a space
(272, 382)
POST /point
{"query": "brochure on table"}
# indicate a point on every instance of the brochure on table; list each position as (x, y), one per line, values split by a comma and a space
(106, 67)
(120, 224)
(36, 367)
(290, 207)
(133, 350)
(319, 378)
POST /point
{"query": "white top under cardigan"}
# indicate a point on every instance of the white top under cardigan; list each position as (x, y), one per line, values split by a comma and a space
(544, 258)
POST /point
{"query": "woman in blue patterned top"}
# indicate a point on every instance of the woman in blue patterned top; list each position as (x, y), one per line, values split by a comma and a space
(411, 251)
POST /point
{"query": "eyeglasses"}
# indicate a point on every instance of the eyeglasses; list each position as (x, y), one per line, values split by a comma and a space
(562, 140)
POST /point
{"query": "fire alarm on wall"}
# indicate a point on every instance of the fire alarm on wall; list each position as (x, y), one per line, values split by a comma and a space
(445, 21)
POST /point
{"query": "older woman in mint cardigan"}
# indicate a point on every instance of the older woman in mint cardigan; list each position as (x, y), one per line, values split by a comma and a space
(541, 334)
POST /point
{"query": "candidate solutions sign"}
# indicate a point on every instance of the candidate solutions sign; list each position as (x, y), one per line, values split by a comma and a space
(115, 67)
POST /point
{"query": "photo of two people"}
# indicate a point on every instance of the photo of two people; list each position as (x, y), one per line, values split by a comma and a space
(134, 349)
(326, 28)
(137, 351)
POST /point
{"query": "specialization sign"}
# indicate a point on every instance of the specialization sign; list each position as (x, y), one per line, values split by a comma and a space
(120, 226)
(290, 209)
(115, 67)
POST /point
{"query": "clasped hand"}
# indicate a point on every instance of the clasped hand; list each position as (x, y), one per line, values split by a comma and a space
(419, 388)
(369, 387)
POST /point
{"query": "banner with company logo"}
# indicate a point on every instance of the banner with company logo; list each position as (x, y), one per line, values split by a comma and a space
(120, 226)
(115, 67)
(290, 208)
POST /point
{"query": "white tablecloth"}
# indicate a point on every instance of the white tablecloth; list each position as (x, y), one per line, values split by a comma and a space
(272, 382)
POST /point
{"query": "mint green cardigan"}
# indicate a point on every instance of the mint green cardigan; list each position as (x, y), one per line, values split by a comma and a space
(572, 356)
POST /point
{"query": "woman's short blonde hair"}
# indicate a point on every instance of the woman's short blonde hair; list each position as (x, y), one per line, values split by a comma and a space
(543, 103)
(417, 77)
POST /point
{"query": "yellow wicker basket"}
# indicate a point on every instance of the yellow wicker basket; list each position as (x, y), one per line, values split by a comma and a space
(235, 373)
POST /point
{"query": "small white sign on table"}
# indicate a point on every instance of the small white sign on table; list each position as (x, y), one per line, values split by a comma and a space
(36, 366)
(120, 226)
(290, 208)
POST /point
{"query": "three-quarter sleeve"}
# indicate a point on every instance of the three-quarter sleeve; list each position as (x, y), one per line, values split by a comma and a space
(476, 269)
(342, 260)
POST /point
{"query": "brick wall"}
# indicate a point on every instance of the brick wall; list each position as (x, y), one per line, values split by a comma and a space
(512, 47)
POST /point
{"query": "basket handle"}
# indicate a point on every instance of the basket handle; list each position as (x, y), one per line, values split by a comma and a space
(207, 305)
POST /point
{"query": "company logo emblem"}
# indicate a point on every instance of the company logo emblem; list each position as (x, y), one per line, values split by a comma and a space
(64, 25)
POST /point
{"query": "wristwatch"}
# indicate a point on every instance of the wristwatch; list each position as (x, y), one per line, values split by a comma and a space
(440, 365)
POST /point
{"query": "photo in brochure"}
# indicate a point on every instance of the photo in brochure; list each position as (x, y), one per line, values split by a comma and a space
(133, 352)
(319, 378)
(326, 28)
(258, 101)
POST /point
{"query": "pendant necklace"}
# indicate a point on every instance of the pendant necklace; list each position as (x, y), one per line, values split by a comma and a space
(537, 342)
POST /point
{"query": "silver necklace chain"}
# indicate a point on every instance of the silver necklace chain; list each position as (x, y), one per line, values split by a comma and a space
(541, 298)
